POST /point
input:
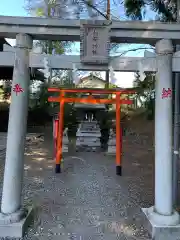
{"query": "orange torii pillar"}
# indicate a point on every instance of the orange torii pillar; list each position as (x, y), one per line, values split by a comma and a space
(60, 135)
(62, 99)
(118, 136)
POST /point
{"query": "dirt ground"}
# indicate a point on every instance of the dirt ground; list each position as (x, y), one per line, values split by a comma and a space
(87, 200)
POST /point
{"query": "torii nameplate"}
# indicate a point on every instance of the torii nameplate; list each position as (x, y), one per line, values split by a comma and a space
(95, 42)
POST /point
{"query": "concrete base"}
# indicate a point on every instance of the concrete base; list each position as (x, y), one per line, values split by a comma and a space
(18, 229)
(158, 229)
(111, 151)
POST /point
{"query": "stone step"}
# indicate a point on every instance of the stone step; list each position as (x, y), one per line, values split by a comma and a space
(80, 139)
(90, 144)
(85, 130)
(88, 135)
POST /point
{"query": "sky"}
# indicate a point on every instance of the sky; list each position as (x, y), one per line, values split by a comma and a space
(17, 8)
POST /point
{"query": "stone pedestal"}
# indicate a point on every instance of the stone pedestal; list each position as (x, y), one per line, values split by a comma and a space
(112, 146)
(88, 134)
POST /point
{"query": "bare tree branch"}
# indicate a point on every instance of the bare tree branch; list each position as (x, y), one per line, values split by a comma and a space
(135, 49)
(93, 7)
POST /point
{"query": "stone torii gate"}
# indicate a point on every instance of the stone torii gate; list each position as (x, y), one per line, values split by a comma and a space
(162, 216)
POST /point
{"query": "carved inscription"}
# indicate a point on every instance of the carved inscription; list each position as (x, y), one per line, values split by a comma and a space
(94, 44)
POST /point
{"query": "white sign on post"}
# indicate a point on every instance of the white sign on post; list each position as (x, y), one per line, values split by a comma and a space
(95, 43)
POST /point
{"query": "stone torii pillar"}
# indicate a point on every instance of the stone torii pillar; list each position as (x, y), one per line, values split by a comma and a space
(162, 216)
(12, 213)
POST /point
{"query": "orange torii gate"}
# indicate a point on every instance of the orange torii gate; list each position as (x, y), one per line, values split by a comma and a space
(90, 99)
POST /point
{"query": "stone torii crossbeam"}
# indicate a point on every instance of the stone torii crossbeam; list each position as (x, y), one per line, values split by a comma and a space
(162, 215)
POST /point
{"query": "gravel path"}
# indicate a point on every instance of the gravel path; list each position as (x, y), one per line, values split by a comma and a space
(87, 201)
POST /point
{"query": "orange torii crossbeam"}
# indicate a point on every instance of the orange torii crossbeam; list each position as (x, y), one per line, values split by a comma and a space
(90, 100)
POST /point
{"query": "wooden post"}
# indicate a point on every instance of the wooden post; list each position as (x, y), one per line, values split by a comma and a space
(60, 135)
(118, 135)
